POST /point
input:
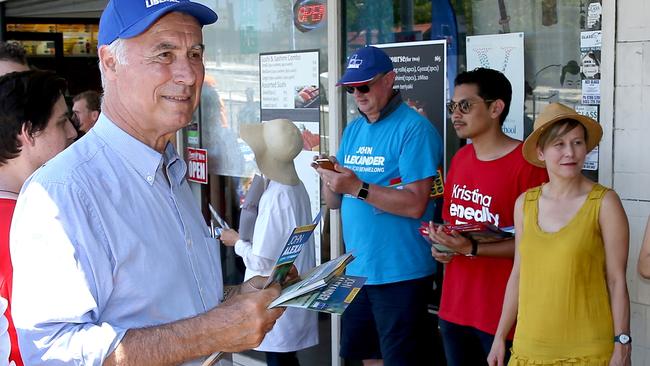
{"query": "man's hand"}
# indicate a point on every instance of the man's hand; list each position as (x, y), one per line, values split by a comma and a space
(292, 276)
(244, 319)
(341, 180)
(229, 237)
(322, 156)
(455, 241)
(441, 257)
(332, 199)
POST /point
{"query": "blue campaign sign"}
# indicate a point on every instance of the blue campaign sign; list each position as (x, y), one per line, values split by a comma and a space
(291, 251)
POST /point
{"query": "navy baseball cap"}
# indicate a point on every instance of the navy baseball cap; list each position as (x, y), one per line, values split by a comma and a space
(129, 18)
(364, 65)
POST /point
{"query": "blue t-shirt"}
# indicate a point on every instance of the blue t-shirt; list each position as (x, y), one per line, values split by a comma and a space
(398, 149)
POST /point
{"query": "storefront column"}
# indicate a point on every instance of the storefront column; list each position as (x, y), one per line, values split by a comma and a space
(335, 115)
(606, 147)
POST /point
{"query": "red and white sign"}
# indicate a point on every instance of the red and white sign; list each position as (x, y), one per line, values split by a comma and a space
(197, 165)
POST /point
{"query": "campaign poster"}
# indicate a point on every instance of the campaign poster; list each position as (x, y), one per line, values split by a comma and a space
(591, 111)
(290, 88)
(505, 53)
(591, 14)
(591, 91)
(590, 48)
(420, 69)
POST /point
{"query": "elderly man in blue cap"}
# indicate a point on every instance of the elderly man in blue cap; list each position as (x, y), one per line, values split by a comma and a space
(381, 181)
(113, 262)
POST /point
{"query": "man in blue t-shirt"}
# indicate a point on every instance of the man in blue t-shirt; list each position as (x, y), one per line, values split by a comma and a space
(381, 181)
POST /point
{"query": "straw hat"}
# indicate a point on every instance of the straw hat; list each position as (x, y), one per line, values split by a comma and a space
(275, 144)
(555, 112)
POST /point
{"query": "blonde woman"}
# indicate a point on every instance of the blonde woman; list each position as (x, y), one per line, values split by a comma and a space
(567, 290)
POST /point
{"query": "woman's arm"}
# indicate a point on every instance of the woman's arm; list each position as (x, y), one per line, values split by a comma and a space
(615, 232)
(511, 299)
(644, 257)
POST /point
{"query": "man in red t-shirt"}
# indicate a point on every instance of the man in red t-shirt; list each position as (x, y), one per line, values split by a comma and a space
(34, 112)
(484, 180)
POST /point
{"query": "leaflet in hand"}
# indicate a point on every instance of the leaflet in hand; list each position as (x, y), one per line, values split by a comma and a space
(220, 221)
(291, 251)
(316, 278)
(333, 298)
(480, 232)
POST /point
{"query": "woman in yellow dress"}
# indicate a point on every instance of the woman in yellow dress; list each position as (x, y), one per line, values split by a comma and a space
(567, 290)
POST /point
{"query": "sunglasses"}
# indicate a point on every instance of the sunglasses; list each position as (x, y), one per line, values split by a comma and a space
(363, 89)
(464, 106)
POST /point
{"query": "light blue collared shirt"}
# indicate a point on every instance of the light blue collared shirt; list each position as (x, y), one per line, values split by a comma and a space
(102, 242)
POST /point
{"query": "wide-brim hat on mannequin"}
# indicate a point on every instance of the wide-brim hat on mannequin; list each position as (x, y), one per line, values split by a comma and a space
(553, 113)
(275, 143)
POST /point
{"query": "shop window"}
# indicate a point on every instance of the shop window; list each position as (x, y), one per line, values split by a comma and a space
(232, 97)
(561, 41)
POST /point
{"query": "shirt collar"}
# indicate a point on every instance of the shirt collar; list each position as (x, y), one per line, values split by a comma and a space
(389, 108)
(176, 167)
(141, 157)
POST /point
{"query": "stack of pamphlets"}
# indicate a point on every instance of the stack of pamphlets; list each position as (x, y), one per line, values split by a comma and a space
(299, 236)
(480, 232)
(324, 288)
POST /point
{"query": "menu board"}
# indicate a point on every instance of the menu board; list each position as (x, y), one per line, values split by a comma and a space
(420, 76)
(290, 88)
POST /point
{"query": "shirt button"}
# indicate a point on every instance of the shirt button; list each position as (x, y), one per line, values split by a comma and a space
(149, 178)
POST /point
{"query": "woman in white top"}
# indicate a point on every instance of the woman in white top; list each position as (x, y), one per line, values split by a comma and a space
(283, 206)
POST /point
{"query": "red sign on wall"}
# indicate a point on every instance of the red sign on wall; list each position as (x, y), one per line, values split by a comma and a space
(197, 165)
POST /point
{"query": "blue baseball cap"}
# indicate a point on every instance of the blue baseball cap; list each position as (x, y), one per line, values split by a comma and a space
(364, 65)
(129, 18)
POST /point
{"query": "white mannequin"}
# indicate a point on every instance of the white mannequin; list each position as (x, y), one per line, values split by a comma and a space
(275, 144)
(283, 206)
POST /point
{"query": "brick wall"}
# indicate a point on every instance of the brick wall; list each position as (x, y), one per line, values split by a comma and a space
(631, 152)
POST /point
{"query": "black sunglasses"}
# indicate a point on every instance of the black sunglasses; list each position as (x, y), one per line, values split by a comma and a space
(363, 89)
(464, 105)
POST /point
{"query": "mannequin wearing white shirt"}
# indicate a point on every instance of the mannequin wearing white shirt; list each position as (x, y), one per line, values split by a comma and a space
(283, 206)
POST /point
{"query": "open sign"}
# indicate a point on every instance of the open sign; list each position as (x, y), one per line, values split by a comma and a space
(197, 165)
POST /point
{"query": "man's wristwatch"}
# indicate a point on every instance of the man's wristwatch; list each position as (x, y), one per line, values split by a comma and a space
(623, 338)
(363, 192)
(474, 251)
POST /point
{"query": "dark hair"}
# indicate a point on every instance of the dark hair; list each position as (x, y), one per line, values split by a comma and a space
(491, 84)
(93, 99)
(27, 99)
(557, 130)
(10, 51)
(571, 67)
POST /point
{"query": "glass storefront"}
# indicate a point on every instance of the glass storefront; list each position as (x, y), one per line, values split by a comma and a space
(550, 49)
(232, 97)
(559, 61)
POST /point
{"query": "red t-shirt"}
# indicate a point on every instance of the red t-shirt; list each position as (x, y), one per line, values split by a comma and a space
(6, 212)
(479, 191)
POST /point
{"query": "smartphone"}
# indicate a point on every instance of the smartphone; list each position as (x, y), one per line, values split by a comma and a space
(325, 163)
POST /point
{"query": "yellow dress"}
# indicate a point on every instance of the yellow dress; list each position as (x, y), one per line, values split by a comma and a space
(564, 315)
